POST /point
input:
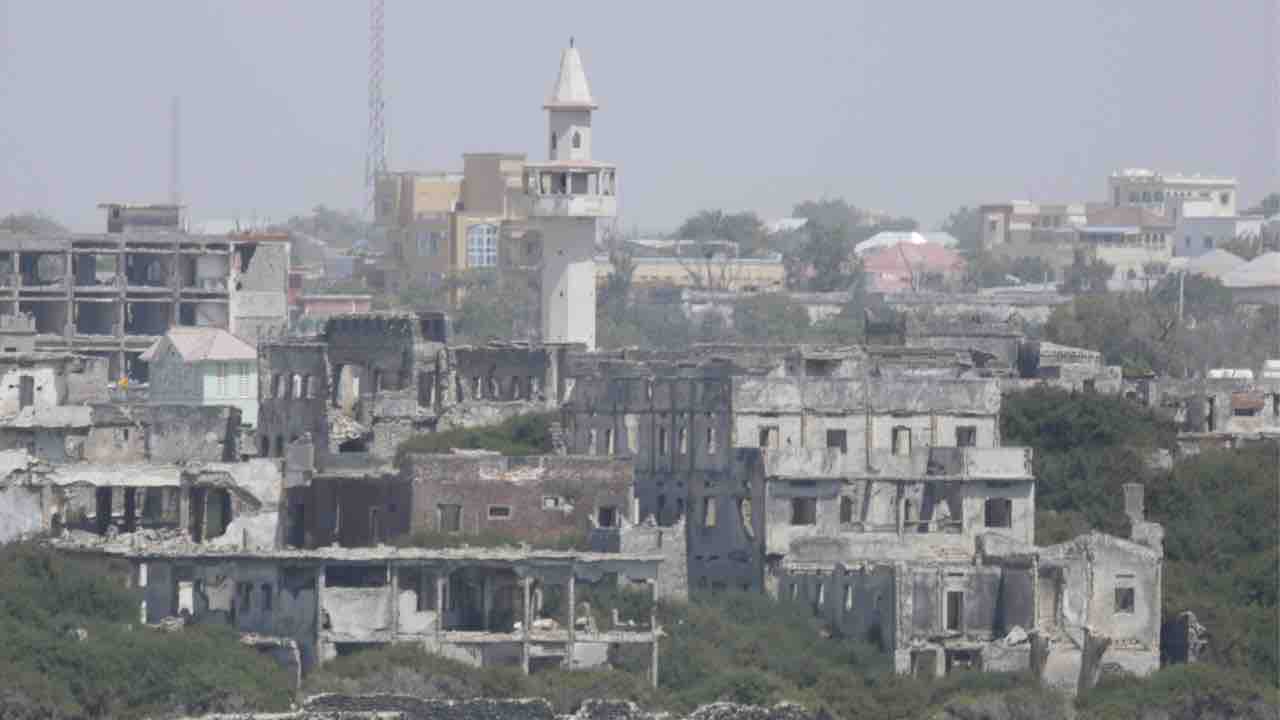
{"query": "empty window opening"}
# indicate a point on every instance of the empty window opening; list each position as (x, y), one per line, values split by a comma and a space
(246, 596)
(708, 512)
(1210, 423)
(449, 518)
(967, 436)
(838, 439)
(711, 435)
(744, 514)
(607, 516)
(499, 512)
(955, 609)
(608, 441)
(354, 445)
(592, 442)
(821, 599)
(901, 440)
(795, 591)
(297, 386)
(998, 513)
(26, 391)
(804, 511)
(266, 597)
(769, 436)
(577, 140)
(662, 441)
(846, 510)
(356, 576)
(683, 440)
(1125, 594)
(848, 597)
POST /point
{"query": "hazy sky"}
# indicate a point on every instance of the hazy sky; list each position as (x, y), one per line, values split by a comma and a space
(910, 107)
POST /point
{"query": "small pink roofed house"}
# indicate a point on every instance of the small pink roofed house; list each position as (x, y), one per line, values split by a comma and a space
(912, 266)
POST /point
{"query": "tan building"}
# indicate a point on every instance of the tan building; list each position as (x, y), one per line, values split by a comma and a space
(716, 273)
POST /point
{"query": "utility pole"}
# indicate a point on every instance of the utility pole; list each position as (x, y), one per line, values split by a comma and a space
(175, 152)
(375, 159)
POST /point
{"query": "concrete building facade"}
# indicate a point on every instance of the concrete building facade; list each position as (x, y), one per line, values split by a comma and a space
(113, 295)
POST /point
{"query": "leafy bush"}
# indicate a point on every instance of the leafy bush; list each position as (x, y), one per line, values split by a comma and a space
(1181, 692)
(119, 668)
(528, 434)
(1219, 510)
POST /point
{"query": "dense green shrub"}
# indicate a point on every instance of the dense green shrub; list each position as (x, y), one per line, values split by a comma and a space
(528, 434)
(1220, 511)
(116, 667)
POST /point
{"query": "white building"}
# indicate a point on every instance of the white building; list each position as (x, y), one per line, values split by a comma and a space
(1173, 196)
(1198, 235)
(204, 366)
(567, 194)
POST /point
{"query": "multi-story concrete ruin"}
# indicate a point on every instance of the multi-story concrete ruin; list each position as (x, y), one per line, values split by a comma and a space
(112, 295)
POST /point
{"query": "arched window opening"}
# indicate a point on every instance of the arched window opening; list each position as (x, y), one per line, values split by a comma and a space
(553, 141)
(577, 140)
(482, 245)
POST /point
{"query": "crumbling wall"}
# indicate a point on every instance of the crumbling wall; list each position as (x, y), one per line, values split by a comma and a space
(21, 511)
(533, 498)
(45, 381)
(283, 414)
(357, 510)
(178, 434)
(651, 539)
(259, 286)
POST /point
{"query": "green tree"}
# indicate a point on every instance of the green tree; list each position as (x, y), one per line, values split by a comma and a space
(825, 262)
(31, 222)
(744, 229)
(1088, 274)
(770, 318)
(965, 225)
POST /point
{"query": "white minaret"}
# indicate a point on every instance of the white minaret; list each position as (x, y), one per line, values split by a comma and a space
(567, 194)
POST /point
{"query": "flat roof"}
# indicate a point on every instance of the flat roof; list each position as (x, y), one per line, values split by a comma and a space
(369, 555)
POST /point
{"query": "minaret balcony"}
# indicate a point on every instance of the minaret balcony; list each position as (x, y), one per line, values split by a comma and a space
(587, 189)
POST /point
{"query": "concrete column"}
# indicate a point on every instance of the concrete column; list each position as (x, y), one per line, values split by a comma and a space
(527, 583)
(320, 581)
(393, 581)
(656, 630)
(573, 617)
(486, 601)
(184, 510)
(441, 579)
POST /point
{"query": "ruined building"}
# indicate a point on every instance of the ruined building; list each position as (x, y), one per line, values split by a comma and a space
(112, 295)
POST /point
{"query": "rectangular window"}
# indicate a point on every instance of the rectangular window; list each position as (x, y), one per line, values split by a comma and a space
(998, 513)
(499, 512)
(266, 597)
(222, 378)
(846, 510)
(662, 441)
(683, 434)
(592, 442)
(450, 518)
(955, 609)
(848, 596)
(804, 511)
(901, 441)
(243, 372)
(711, 441)
(708, 512)
(246, 596)
(1208, 242)
(822, 595)
(608, 441)
(1124, 600)
(769, 436)
(967, 436)
(838, 439)
(550, 502)
(607, 516)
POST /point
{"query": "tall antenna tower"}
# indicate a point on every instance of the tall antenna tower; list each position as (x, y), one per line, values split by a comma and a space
(175, 151)
(375, 158)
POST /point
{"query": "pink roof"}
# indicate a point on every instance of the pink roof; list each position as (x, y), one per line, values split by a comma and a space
(906, 257)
